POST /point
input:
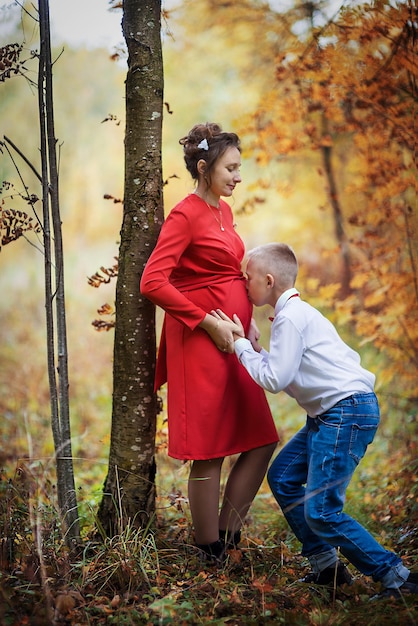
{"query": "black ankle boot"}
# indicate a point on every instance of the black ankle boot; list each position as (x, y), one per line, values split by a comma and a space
(214, 552)
(230, 540)
(337, 574)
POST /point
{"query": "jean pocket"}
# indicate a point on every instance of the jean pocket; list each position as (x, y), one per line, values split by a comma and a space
(361, 438)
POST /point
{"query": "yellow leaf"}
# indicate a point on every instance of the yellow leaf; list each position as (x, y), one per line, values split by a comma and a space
(328, 292)
(359, 280)
(373, 299)
(312, 284)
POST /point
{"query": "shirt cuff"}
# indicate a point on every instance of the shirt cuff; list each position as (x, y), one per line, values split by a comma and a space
(241, 345)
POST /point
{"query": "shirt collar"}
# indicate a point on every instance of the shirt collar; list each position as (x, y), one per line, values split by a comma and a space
(286, 295)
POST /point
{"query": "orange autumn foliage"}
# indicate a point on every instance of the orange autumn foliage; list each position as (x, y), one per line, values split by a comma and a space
(352, 88)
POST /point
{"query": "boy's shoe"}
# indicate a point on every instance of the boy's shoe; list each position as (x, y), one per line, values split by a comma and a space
(409, 586)
(329, 576)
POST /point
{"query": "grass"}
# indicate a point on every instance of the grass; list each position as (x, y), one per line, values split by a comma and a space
(155, 576)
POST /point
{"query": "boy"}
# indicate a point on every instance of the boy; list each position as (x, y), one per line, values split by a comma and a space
(309, 477)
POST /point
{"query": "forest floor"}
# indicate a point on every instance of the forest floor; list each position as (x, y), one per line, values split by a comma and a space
(156, 577)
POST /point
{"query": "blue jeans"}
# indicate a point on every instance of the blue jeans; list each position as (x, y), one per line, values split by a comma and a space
(309, 479)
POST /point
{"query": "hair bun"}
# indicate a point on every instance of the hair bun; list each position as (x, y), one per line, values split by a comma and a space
(206, 141)
(199, 133)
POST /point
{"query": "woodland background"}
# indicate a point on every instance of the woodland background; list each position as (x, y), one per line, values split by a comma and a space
(269, 77)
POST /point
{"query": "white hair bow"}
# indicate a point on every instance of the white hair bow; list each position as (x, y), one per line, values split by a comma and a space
(203, 144)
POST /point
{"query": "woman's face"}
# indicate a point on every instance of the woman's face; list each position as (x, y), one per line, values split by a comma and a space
(226, 173)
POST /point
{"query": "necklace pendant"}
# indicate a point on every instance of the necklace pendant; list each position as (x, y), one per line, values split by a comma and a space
(219, 221)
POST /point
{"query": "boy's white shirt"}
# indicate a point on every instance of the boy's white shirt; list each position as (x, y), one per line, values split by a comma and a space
(307, 358)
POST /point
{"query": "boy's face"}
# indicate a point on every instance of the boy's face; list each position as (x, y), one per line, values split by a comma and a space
(257, 284)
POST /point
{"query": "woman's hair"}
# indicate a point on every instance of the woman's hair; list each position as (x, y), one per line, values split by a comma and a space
(207, 142)
(277, 259)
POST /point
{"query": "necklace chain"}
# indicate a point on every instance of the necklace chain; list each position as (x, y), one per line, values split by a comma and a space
(221, 226)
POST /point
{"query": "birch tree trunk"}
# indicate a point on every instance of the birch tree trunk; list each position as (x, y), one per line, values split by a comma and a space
(129, 492)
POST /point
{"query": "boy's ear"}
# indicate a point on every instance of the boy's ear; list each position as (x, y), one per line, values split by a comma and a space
(270, 281)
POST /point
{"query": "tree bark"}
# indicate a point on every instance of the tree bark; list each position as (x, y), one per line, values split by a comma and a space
(129, 492)
(59, 393)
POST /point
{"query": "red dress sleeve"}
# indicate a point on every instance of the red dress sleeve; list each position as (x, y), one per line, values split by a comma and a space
(175, 237)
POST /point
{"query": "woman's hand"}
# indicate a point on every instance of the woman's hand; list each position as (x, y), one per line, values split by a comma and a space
(238, 329)
(235, 325)
(220, 331)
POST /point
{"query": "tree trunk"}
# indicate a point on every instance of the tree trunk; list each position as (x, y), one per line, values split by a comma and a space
(59, 393)
(129, 492)
(340, 234)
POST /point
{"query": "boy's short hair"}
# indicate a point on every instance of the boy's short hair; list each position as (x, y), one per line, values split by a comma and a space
(277, 259)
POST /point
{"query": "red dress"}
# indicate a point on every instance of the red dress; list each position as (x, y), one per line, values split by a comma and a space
(214, 408)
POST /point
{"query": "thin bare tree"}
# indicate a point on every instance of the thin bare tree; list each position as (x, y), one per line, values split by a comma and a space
(57, 351)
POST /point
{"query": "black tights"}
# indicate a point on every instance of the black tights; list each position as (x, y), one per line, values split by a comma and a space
(242, 485)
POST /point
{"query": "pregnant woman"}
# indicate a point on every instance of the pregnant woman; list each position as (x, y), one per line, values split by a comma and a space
(214, 408)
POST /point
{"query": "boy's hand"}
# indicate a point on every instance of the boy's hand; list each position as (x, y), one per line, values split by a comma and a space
(253, 333)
